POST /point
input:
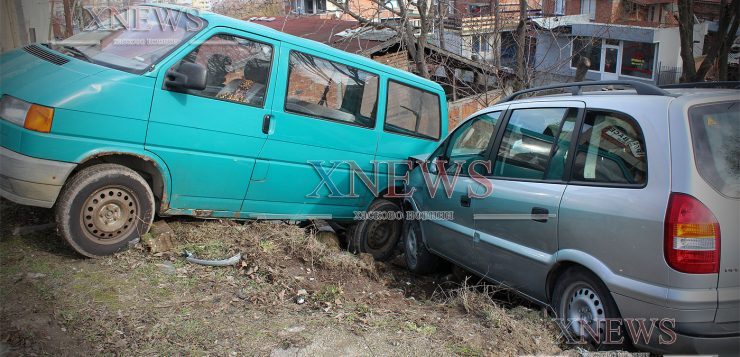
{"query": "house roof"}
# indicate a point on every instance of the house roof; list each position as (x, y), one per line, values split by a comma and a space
(345, 35)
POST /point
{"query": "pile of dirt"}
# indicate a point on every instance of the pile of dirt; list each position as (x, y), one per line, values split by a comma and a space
(290, 294)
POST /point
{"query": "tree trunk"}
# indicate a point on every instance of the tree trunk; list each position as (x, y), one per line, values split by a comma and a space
(441, 16)
(727, 21)
(686, 33)
(68, 28)
(727, 43)
(521, 38)
(496, 35)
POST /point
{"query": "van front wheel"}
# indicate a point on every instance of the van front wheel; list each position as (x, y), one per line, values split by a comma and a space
(102, 208)
(378, 234)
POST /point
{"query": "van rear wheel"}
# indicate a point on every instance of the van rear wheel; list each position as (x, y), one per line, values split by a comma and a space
(586, 306)
(104, 207)
(377, 237)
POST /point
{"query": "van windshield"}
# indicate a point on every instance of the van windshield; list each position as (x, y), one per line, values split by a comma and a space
(715, 131)
(132, 40)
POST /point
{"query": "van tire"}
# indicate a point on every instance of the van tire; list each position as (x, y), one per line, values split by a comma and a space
(376, 237)
(418, 258)
(104, 207)
(590, 293)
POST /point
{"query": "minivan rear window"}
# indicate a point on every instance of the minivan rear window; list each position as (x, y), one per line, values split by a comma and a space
(715, 135)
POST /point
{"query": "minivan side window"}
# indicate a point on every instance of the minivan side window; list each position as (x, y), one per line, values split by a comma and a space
(238, 69)
(530, 139)
(611, 150)
(470, 142)
(330, 90)
(412, 111)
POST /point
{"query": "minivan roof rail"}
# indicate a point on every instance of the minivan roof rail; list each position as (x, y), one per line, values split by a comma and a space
(718, 84)
(639, 87)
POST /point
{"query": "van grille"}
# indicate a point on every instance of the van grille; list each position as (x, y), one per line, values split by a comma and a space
(45, 55)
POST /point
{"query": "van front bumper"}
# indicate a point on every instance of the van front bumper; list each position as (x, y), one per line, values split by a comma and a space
(30, 181)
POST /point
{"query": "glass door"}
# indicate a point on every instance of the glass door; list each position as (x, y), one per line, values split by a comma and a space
(609, 62)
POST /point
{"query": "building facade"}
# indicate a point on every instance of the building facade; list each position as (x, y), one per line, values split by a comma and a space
(621, 39)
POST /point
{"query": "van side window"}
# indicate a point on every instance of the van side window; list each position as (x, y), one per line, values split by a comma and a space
(238, 69)
(412, 111)
(527, 146)
(611, 149)
(330, 90)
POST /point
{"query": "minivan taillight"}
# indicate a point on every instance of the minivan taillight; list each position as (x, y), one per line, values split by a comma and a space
(691, 242)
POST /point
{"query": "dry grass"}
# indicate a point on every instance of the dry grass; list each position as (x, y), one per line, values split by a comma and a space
(274, 239)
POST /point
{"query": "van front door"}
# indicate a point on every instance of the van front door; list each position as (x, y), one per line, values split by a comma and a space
(210, 138)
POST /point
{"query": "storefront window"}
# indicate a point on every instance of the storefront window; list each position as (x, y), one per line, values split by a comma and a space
(589, 48)
(638, 59)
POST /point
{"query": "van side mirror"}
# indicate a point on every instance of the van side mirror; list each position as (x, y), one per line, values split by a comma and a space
(187, 76)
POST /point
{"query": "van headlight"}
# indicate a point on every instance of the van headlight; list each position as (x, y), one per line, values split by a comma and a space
(30, 116)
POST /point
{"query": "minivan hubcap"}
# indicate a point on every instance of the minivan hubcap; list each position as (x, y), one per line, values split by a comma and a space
(109, 213)
(586, 307)
(411, 247)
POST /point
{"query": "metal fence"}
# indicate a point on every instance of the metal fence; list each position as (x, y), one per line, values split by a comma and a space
(668, 75)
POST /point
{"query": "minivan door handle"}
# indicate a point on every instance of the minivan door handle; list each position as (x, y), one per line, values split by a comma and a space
(465, 201)
(266, 123)
(539, 214)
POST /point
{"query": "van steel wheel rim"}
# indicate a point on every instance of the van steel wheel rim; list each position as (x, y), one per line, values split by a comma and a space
(379, 234)
(109, 214)
(584, 306)
(411, 245)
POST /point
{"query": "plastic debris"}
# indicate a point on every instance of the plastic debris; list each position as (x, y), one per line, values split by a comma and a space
(214, 263)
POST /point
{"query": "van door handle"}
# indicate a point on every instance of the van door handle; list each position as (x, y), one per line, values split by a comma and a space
(266, 123)
(465, 201)
(539, 214)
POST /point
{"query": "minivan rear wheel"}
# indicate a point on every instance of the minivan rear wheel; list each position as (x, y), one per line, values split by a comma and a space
(584, 302)
(377, 237)
(102, 208)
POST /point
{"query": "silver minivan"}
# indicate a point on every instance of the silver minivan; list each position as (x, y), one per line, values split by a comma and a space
(619, 208)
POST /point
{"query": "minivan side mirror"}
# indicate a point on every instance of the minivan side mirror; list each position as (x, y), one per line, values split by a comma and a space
(187, 76)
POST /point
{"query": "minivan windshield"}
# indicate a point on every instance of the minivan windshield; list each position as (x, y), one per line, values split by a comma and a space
(715, 131)
(132, 40)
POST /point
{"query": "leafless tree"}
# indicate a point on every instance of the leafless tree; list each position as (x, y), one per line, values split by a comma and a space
(718, 47)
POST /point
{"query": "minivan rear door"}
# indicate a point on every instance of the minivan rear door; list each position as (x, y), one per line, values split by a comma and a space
(210, 138)
(715, 141)
(517, 224)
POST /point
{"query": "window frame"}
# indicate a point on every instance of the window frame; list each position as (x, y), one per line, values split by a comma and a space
(287, 88)
(267, 85)
(419, 136)
(504, 122)
(574, 146)
(441, 150)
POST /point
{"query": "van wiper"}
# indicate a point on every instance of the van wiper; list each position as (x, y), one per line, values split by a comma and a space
(77, 53)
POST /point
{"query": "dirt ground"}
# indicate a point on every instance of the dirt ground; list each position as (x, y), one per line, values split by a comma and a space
(291, 295)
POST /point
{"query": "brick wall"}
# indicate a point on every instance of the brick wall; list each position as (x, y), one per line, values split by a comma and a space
(394, 59)
(463, 108)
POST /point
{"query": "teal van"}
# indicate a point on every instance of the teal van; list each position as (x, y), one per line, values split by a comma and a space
(161, 110)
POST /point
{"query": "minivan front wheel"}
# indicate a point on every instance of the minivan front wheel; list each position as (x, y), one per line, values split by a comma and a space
(378, 234)
(418, 258)
(585, 306)
(102, 208)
